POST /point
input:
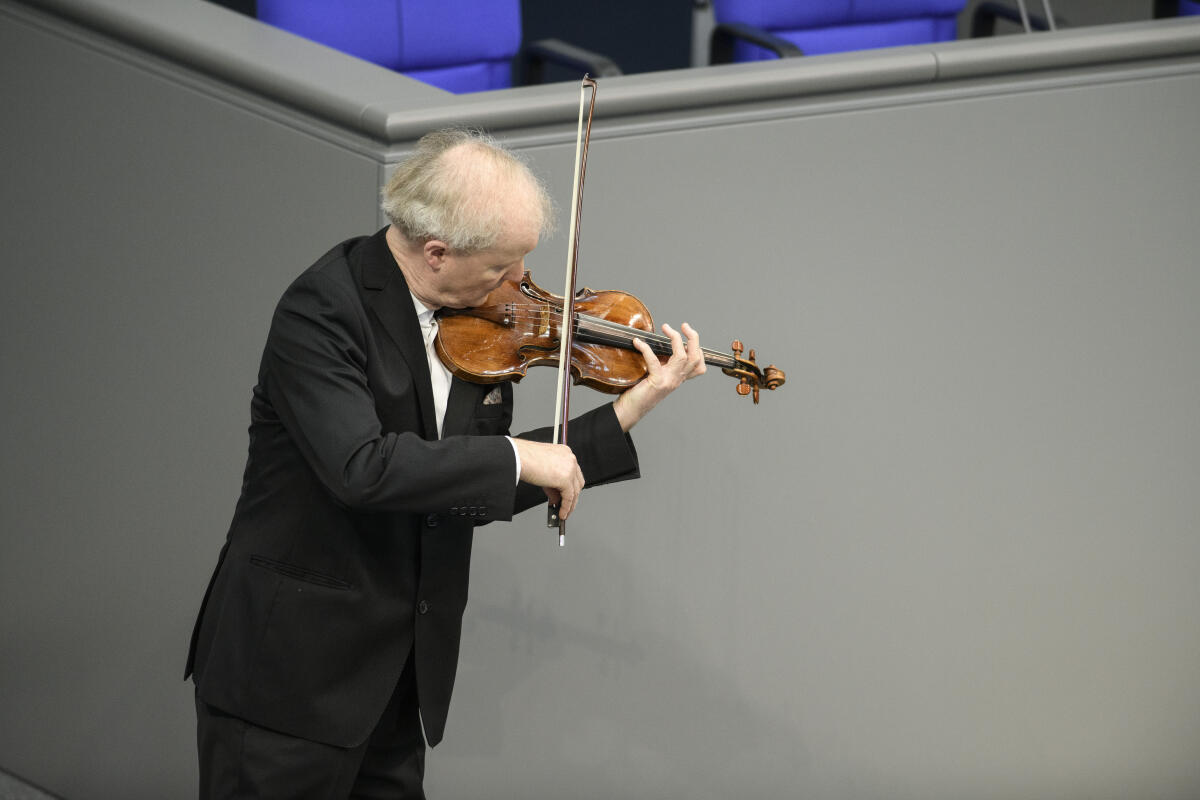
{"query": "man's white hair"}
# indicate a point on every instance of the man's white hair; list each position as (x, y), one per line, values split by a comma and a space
(464, 188)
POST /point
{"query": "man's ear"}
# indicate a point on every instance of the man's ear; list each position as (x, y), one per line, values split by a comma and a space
(434, 253)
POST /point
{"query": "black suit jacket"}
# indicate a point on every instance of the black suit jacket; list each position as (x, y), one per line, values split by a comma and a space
(351, 541)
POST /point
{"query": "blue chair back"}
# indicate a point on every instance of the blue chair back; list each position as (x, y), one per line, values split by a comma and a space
(832, 26)
(457, 45)
(1188, 8)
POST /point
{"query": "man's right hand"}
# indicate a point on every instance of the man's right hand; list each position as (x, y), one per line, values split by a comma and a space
(554, 468)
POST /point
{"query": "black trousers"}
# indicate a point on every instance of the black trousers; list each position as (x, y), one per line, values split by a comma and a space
(239, 760)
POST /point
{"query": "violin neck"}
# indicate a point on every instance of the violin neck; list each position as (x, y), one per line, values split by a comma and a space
(600, 331)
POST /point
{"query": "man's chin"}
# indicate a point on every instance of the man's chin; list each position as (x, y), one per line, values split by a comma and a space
(458, 304)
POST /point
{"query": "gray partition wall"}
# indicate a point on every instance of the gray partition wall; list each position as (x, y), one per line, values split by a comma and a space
(954, 557)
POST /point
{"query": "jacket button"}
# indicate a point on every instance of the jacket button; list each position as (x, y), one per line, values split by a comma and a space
(422, 607)
(431, 520)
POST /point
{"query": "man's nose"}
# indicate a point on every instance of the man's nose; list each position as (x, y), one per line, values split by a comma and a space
(517, 272)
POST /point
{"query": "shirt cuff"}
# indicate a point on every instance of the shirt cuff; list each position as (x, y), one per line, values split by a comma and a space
(516, 455)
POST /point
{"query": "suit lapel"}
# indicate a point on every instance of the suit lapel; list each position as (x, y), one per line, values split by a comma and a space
(389, 299)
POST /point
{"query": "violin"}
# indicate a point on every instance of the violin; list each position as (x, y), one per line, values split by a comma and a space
(520, 325)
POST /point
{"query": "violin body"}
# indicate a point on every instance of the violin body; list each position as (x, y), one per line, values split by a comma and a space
(520, 324)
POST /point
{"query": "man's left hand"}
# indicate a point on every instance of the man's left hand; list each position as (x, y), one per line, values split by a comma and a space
(686, 361)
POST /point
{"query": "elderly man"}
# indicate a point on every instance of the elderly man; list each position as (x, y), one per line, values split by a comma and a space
(326, 647)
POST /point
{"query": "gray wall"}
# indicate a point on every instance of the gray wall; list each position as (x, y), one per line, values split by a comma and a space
(954, 557)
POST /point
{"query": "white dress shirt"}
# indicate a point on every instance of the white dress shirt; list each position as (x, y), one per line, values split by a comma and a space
(438, 374)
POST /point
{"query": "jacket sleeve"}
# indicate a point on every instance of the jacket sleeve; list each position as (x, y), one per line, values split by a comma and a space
(605, 452)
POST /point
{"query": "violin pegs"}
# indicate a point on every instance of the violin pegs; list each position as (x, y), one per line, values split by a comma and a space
(750, 379)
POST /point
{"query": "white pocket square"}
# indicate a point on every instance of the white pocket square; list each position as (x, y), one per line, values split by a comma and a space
(493, 397)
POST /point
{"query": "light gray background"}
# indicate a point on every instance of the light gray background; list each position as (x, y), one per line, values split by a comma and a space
(954, 557)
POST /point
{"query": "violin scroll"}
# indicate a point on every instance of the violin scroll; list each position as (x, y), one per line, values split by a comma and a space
(750, 377)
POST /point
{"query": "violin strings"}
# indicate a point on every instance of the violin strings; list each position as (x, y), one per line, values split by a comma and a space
(608, 332)
(619, 333)
(595, 323)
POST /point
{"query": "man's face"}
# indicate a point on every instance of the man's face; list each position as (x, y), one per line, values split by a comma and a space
(465, 281)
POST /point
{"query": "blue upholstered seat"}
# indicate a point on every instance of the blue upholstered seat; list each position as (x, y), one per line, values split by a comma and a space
(457, 45)
(830, 26)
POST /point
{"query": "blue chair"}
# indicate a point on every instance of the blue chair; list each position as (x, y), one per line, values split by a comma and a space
(755, 30)
(1176, 8)
(457, 45)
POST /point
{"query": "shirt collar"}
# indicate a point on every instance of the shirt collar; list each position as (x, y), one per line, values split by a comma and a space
(424, 315)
